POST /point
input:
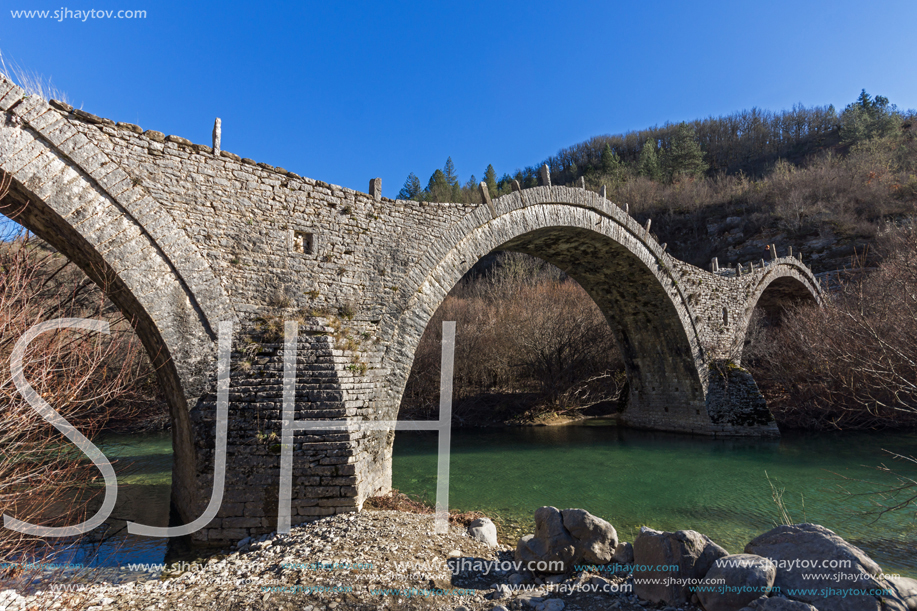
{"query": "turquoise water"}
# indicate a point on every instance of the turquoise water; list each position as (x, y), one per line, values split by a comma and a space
(630, 478)
(143, 464)
(671, 482)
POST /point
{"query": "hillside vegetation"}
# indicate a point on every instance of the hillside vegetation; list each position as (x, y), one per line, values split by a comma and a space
(820, 181)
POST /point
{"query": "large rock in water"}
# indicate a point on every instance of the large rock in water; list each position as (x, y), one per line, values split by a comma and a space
(687, 554)
(563, 539)
(816, 566)
(736, 580)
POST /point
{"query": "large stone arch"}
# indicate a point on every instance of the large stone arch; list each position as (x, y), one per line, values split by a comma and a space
(66, 190)
(615, 260)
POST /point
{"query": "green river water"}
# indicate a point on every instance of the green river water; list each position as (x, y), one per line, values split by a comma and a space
(630, 478)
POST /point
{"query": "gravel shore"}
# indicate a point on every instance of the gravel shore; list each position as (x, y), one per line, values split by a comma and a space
(367, 560)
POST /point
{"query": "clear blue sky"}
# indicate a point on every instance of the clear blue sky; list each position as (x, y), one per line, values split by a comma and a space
(346, 91)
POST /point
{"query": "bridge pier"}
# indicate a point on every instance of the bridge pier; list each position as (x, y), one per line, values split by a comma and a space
(333, 472)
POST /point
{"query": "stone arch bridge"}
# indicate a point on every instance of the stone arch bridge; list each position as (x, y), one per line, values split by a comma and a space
(183, 236)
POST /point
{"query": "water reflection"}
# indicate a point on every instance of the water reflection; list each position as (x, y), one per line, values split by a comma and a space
(632, 478)
(635, 478)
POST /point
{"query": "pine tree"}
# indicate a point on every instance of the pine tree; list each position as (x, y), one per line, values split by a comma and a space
(610, 161)
(471, 193)
(456, 193)
(490, 177)
(450, 190)
(572, 173)
(648, 162)
(438, 188)
(411, 189)
(865, 101)
(685, 157)
(449, 172)
(505, 185)
(868, 118)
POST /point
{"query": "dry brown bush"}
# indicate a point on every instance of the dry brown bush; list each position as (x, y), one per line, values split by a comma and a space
(399, 501)
(529, 340)
(848, 195)
(853, 362)
(91, 379)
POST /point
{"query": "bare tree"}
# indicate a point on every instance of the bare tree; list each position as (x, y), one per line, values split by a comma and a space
(527, 337)
(853, 362)
(88, 378)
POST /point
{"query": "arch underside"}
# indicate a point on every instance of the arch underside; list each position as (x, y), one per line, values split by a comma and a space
(177, 366)
(662, 375)
(777, 292)
(782, 293)
(40, 219)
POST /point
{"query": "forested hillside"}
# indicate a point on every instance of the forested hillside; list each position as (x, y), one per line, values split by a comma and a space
(821, 181)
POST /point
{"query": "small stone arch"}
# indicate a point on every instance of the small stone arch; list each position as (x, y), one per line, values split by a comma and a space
(782, 286)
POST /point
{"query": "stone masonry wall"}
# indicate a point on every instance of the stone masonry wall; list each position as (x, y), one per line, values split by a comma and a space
(333, 472)
(724, 301)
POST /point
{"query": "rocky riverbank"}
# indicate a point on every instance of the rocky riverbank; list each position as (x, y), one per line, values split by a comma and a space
(395, 560)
